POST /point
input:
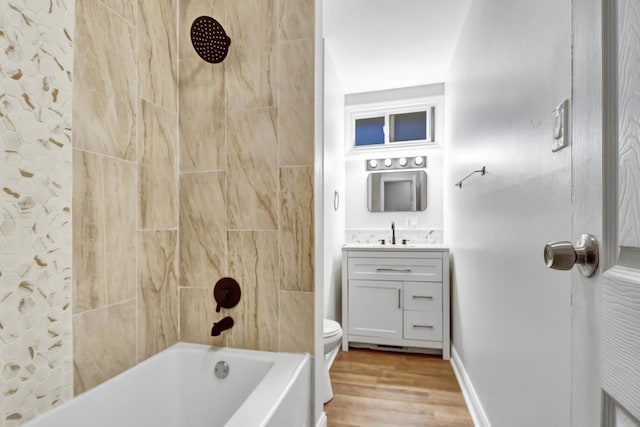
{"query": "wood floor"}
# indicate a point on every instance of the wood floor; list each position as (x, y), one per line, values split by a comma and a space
(374, 388)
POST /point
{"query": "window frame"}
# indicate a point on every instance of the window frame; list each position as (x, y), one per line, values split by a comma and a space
(435, 122)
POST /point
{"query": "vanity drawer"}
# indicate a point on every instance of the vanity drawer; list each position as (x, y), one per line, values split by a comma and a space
(415, 269)
(423, 296)
(422, 325)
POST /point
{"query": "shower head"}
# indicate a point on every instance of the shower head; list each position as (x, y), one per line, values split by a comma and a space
(209, 39)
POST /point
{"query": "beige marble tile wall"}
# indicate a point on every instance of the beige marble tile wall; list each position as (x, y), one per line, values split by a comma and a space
(246, 181)
(125, 194)
(36, 68)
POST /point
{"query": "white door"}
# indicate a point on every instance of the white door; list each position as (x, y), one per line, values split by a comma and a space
(606, 202)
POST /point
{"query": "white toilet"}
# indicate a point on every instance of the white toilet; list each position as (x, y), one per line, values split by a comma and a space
(332, 338)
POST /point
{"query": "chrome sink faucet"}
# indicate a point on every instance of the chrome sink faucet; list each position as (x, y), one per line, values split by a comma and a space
(393, 232)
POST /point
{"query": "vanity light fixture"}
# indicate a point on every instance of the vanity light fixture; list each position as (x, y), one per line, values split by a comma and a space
(396, 163)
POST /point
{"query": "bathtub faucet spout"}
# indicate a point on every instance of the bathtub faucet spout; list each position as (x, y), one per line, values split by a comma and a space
(223, 325)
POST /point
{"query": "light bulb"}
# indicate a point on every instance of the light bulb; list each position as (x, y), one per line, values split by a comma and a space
(373, 163)
(418, 161)
(402, 161)
(387, 162)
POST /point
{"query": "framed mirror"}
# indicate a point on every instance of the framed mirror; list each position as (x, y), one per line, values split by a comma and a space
(404, 191)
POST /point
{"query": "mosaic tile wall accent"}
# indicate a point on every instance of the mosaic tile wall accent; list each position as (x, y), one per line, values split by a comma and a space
(246, 181)
(36, 67)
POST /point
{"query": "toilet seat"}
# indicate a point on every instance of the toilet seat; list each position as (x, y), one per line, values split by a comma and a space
(330, 328)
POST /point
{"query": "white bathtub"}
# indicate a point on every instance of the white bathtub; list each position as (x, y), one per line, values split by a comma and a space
(178, 388)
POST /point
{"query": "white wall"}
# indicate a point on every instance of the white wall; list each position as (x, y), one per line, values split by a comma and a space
(334, 180)
(511, 316)
(359, 217)
(398, 94)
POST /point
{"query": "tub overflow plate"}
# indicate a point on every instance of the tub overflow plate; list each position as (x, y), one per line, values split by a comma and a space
(222, 369)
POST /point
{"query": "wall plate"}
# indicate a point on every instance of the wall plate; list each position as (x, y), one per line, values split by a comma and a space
(560, 126)
(410, 221)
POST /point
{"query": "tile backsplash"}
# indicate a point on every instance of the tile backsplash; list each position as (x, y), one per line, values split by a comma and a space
(412, 235)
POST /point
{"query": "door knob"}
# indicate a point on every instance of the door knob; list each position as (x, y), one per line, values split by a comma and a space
(562, 255)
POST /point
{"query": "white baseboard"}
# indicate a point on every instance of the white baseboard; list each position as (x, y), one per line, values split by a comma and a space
(322, 422)
(473, 403)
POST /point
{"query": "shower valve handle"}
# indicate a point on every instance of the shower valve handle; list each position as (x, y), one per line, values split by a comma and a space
(226, 293)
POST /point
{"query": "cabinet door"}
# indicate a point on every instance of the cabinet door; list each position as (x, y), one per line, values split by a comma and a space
(375, 308)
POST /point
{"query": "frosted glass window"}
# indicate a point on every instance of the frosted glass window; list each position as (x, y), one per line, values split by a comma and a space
(370, 131)
(408, 126)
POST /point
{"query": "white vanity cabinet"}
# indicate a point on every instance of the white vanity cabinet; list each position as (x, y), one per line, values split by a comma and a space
(396, 297)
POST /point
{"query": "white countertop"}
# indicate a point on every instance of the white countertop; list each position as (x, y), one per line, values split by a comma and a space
(398, 247)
